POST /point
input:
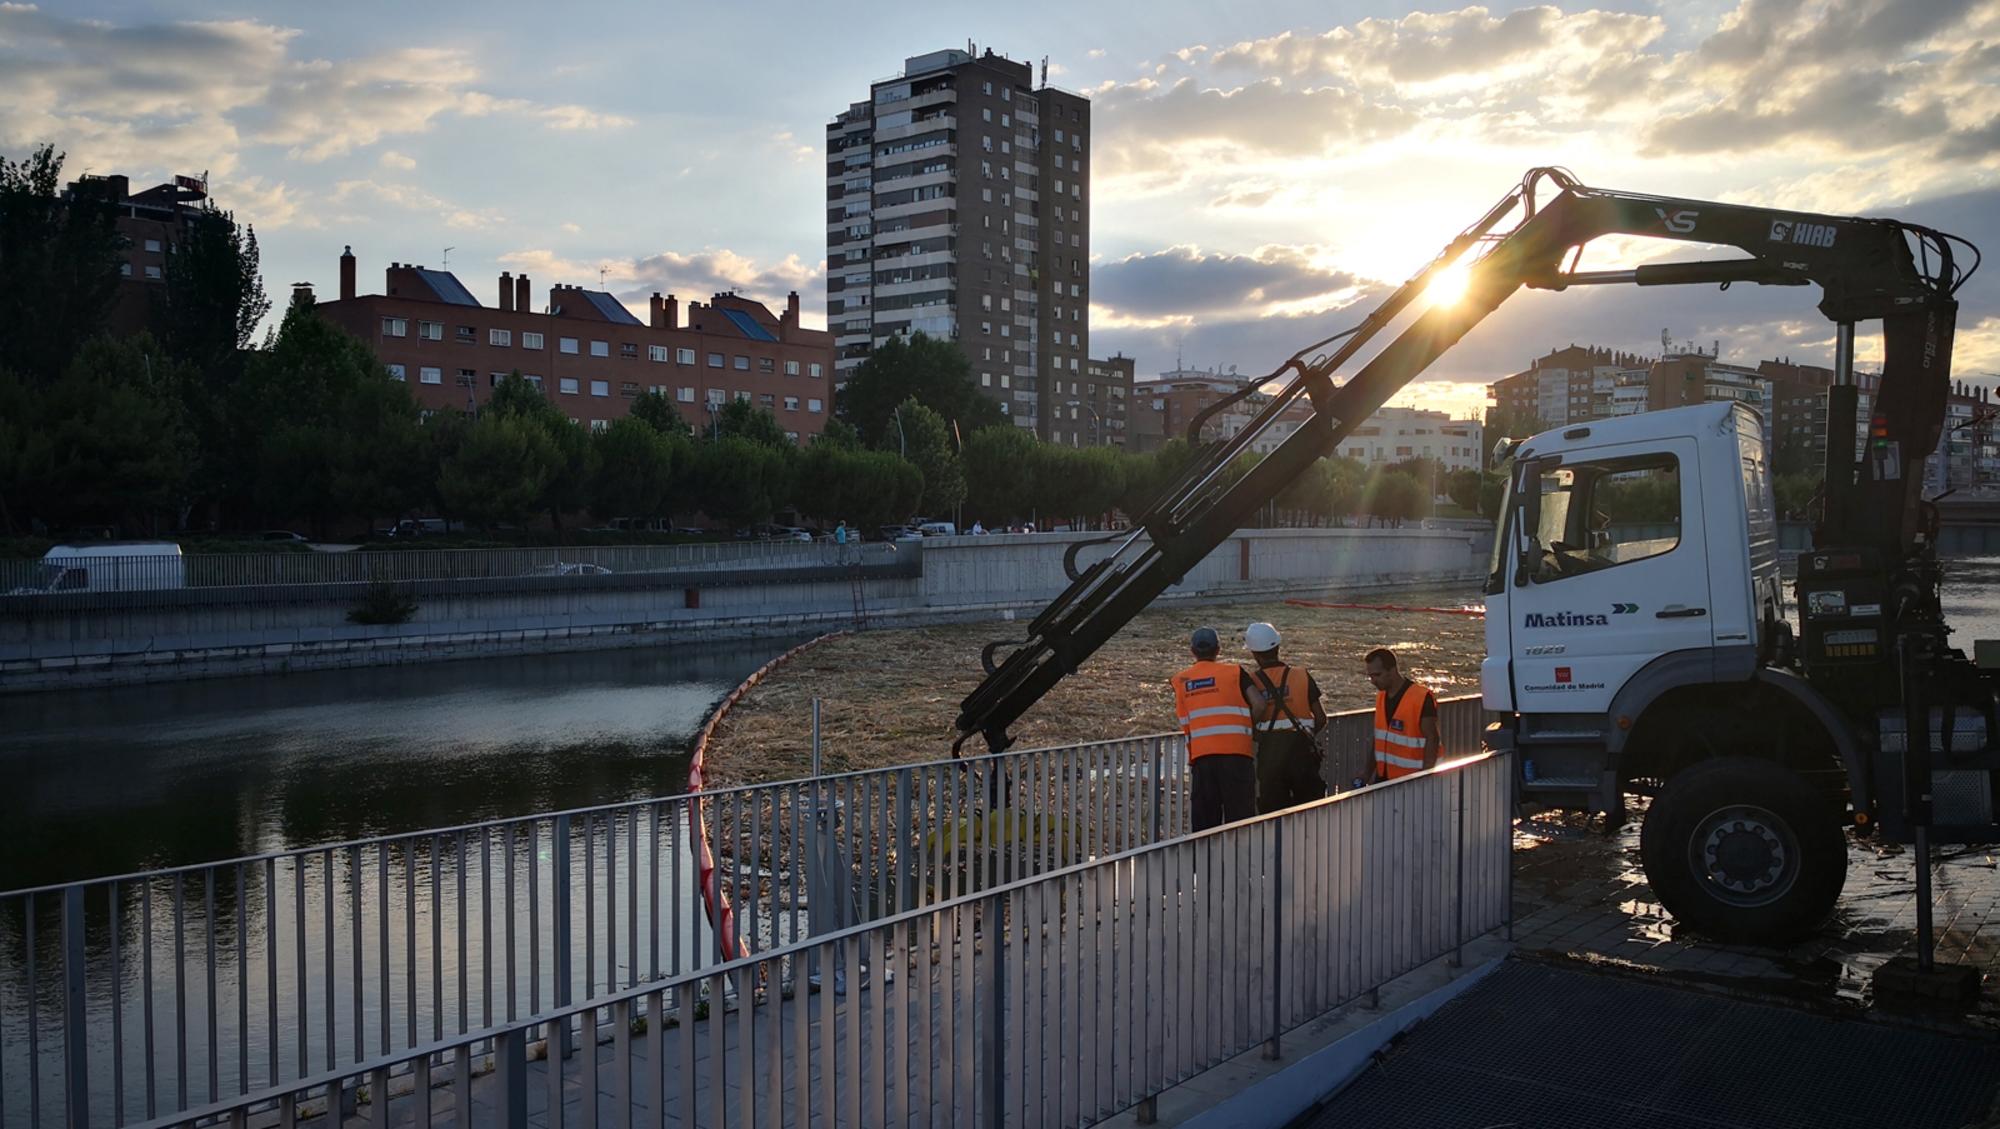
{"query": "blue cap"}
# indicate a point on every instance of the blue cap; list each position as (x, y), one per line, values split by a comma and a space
(1205, 639)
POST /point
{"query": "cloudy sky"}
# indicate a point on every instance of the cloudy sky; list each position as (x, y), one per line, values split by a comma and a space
(1259, 178)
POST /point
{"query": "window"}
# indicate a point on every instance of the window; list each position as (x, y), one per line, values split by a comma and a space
(815, 368)
(531, 378)
(153, 246)
(567, 385)
(813, 406)
(742, 395)
(598, 425)
(600, 348)
(566, 345)
(791, 368)
(398, 372)
(685, 395)
(395, 327)
(715, 360)
(628, 388)
(766, 364)
(791, 403)
(600, 388)
(1599, 515)
(792, 435)
(430, 330)
(742, 362)
(657, 353)
(986, 380)
(628, 350)
(495, 378)
(765, 400)
(125, 270)
(716, 397)
(467, 378)
(986, 113)
(152, 271)
(429, 375)
(468, 334)
(499, 337)
(683, 356)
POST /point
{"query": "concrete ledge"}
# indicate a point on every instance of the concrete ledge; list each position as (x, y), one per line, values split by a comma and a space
(1321, 1056)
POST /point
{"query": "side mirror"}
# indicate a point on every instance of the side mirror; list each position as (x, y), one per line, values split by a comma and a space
(1503, 449)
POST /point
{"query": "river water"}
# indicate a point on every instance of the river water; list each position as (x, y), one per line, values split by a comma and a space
(111, 781)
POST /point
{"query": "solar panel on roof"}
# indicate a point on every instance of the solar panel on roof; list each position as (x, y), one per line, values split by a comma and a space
(611, 308)
(448, 288)
(748, 325)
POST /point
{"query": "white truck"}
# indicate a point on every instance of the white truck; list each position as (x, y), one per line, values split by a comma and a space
(1653, 657)
(107, 566)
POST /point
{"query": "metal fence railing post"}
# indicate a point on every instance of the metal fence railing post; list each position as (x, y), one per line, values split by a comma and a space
(559, 913)
(510, 1067)
(1272, 1047)
(1159, 785)
(1513, 777)
(994, 1094)
(76, 1047)
(1458, 872)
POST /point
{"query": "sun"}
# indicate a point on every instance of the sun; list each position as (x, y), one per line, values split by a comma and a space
(1448, 285)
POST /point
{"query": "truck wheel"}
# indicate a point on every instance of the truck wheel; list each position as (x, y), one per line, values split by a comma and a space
(1744, 851)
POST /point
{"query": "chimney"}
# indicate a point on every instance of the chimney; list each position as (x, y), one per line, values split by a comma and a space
(347, 274)
(694, 316)
(791, 318)
(524, 297)
(303, 290)
(670, 313)
(658, 314)
(507, 291)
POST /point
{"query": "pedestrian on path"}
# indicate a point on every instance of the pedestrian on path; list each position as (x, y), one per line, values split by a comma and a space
(840, 539)
(1288, 723)
(1406, 720)
(1213, 700)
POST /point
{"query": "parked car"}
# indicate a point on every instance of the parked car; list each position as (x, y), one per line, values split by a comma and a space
(900, 533)
(284, 535)
(938, 529)
(787, 533)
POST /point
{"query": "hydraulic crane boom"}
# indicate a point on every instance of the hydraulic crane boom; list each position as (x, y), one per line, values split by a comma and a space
(1866, 268)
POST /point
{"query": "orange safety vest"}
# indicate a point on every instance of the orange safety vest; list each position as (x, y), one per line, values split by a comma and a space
(1269, 717)
(1208, 697)
(1399, 740)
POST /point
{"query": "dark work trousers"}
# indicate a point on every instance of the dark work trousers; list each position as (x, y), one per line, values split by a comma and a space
(1225, 790)
(1287, 770)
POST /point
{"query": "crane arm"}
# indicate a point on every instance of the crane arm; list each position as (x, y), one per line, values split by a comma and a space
(1867, 268)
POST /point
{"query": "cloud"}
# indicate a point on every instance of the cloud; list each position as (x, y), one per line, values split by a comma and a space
(413, 199)
(1182, 280)
(192, 95)
(390, 159)
(1146, 125)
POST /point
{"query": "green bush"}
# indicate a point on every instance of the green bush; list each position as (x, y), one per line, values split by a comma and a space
(383, 603)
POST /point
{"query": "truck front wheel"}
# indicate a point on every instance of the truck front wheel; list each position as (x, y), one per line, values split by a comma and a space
(1744, 851)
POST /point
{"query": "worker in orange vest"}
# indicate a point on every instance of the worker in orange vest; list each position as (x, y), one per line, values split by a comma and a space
(1406, 724)
(1288, 724)
(1213, 701)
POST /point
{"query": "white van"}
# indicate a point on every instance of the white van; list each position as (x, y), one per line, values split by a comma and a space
(938, 529)
(108, 566)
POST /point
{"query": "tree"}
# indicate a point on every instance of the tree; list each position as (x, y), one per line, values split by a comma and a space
(1793, 494)
(1492, 491)
(1504, 423)
(214, 297)
(739, 482)
(933, 371)
(1463, 487)
(501, 472)
(1394, 497)
(58, 266)
(999, 465)
(838, 433)
(926, 442)
(635, 470)
(743, 420)
(572, 473)
(659, 413)
(865, 488)
(119, 449)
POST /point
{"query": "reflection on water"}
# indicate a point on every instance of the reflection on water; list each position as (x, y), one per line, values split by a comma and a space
(122, 779)
(1972, 600)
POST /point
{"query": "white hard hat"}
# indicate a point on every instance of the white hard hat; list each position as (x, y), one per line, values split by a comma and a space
(1260, 637)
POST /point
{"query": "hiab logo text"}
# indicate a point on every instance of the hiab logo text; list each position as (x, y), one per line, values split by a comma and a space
(1804, 234)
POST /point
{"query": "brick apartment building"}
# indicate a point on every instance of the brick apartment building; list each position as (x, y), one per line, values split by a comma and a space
(1093, 408)
(152, 222)
(586, 351)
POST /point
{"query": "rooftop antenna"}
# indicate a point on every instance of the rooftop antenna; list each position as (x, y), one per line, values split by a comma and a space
(600, 275)
(1045, 70)
(447, 257)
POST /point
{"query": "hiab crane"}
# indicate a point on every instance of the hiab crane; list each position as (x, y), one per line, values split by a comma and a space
(1665, 667)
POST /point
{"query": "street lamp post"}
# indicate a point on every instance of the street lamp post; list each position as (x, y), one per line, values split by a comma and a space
(1096, 421)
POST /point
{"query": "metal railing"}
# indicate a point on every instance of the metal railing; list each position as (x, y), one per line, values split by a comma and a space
(1062, 998)
(77, 581)
(152, 994)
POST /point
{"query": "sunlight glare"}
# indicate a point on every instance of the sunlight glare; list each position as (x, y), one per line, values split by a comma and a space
(1448, 286)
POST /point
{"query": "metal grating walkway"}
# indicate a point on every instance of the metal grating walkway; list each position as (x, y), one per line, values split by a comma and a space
(1552, 1048)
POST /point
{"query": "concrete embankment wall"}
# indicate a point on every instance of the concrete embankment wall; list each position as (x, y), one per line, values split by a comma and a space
(103, 639)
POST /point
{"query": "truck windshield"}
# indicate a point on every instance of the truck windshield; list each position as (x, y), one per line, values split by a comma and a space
(1496, 575)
